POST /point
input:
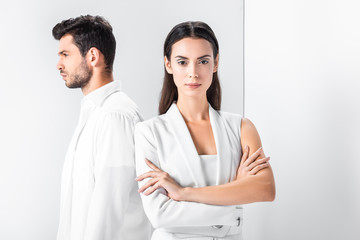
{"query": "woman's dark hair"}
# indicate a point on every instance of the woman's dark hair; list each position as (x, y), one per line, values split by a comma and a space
(169, 91)
(89, 31)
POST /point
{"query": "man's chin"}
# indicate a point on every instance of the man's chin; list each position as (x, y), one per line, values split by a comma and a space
(69, 85)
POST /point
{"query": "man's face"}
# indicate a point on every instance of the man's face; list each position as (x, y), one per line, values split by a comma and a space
(72, 65)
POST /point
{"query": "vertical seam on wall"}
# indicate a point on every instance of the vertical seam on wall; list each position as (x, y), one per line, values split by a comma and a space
(243, 110)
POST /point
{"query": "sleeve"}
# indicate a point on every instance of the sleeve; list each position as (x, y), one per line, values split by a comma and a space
(164, 212)
(114, 173)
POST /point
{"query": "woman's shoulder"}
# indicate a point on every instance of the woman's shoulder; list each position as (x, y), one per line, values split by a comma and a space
(248, 128)
(151, 123)
(235, 117)
(230, 117)
(240, 124)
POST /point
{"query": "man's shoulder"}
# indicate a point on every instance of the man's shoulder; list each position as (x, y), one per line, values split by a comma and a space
(119, 103)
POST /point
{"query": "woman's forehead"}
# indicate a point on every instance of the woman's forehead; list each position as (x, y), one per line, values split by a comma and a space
(191, 48)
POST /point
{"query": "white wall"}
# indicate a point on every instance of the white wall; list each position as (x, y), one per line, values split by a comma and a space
(302, 91)
(39, 114)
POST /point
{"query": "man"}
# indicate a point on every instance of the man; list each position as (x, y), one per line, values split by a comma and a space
(99, 198)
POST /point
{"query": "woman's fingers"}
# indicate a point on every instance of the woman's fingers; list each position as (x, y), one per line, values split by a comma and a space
(253, 157)
(258, 162)
(148, 184)
(151, 165)
(258, 168)
(245, 154)
(152, 189)
(149, 174)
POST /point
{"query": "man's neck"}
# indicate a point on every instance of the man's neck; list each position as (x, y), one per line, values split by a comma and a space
(96, 82)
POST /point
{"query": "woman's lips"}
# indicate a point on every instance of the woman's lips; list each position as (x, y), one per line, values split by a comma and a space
(193, 85)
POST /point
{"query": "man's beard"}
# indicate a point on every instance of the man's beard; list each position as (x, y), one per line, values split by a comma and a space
(81, 77)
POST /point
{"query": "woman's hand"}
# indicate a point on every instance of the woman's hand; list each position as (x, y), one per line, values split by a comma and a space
(160, 179)
(249, 165)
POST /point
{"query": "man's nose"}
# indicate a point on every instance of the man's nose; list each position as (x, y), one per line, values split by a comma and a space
(59, 65)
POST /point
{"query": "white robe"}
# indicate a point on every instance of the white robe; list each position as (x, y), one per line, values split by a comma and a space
(99, 198)
(166, 141)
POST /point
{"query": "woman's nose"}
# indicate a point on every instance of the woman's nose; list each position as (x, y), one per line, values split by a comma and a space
(193, 71)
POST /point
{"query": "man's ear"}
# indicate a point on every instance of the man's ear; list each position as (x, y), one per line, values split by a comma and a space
(216, 63)
(93, 56)
(167, 65)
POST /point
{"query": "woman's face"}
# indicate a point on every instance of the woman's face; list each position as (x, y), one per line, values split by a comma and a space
(192, 65)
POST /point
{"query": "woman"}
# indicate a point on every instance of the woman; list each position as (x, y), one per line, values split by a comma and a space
(199, 146)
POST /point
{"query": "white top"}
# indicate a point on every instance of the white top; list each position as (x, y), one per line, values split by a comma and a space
(208, 163)
(99, 198)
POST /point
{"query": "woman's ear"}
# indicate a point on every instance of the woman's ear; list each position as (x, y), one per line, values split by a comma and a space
(167, 65)
(216, 63)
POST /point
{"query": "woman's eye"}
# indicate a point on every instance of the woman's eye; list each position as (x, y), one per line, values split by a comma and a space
(204, 62)
(181, 62)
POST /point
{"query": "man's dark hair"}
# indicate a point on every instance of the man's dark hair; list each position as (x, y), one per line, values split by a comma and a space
(89, 31)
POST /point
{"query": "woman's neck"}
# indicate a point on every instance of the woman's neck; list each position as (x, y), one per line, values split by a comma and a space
(193, 109)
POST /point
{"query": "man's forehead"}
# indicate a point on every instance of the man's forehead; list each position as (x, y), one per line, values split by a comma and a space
(66, 43)
(67, 38)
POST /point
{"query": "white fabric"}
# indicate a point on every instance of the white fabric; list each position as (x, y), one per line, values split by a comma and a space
(166, 141)
(208, 164)
(99, 198)
(173, 236)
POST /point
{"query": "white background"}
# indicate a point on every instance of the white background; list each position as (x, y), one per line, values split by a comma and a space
(302, 91)
(39, 114)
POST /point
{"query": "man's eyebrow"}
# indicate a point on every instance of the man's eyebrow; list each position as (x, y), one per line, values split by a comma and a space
(62, 52)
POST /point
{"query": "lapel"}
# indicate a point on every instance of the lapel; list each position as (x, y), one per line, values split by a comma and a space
(223, 165)
(188, 149)
(186, 145)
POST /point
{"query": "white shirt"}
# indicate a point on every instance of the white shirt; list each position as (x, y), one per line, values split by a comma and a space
(99, 198)
(209, 164)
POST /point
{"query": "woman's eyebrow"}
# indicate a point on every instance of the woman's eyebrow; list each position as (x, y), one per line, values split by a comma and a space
(207, 55)
(178, 56)
(204, 56)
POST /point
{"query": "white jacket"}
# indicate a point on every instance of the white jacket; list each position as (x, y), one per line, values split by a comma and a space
(99, 198)
(166, 141)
